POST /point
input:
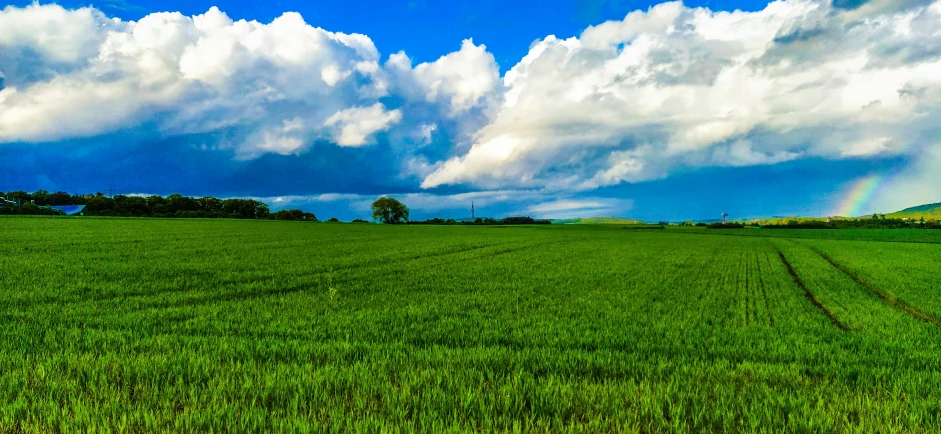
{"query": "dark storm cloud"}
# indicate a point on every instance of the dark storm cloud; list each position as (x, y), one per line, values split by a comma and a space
(181, 166)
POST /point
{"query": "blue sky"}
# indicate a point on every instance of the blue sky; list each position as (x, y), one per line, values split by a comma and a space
(676, 111)
(425, 29)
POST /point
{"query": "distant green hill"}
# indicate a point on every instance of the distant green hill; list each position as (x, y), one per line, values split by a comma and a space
(778, 220)
(931, 211)
(598, 221)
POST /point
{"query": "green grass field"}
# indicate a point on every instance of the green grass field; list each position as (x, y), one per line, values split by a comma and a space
(146, 325)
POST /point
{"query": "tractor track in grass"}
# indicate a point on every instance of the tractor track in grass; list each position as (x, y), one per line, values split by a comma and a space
(810, 296)
(883, 296)
(749, 309)
(123, 296)
(307, 286)
(764, 291)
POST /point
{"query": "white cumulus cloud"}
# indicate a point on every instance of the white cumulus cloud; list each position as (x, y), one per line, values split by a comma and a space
(675, 87)
(277, 83)
(354, 126)
(462, 80)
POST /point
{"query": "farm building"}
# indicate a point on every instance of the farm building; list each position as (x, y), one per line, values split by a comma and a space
(69, 209)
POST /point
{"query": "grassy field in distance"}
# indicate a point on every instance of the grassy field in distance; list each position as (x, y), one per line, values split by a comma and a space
(598, 220)
(928, 212)
(150, 325)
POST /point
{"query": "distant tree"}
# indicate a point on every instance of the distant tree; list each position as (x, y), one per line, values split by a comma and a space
(293, 214)
(262, 211)
(210, 204)
(388, 210)
(334, 220)
(59, 198)
(726, 226)
(244, 209)
(78, 199)
(157, 201)
(99, 205)
(30, 208)
(40, 197)
(518, 220)
(130, 206)
(359, 221)
(20, 196)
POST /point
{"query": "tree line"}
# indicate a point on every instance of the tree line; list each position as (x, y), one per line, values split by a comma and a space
(390, 211)
(876, 222)
(522, 220)
(174, 205)
(385, 209)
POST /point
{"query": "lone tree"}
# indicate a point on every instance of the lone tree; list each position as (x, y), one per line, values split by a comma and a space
(389, 210)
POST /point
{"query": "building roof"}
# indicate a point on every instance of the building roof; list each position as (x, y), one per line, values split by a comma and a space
(69, 209)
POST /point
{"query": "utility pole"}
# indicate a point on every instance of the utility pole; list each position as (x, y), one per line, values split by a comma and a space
(473, 216)
(111, 192)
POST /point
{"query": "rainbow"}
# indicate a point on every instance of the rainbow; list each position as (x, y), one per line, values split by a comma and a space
(857, 196)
